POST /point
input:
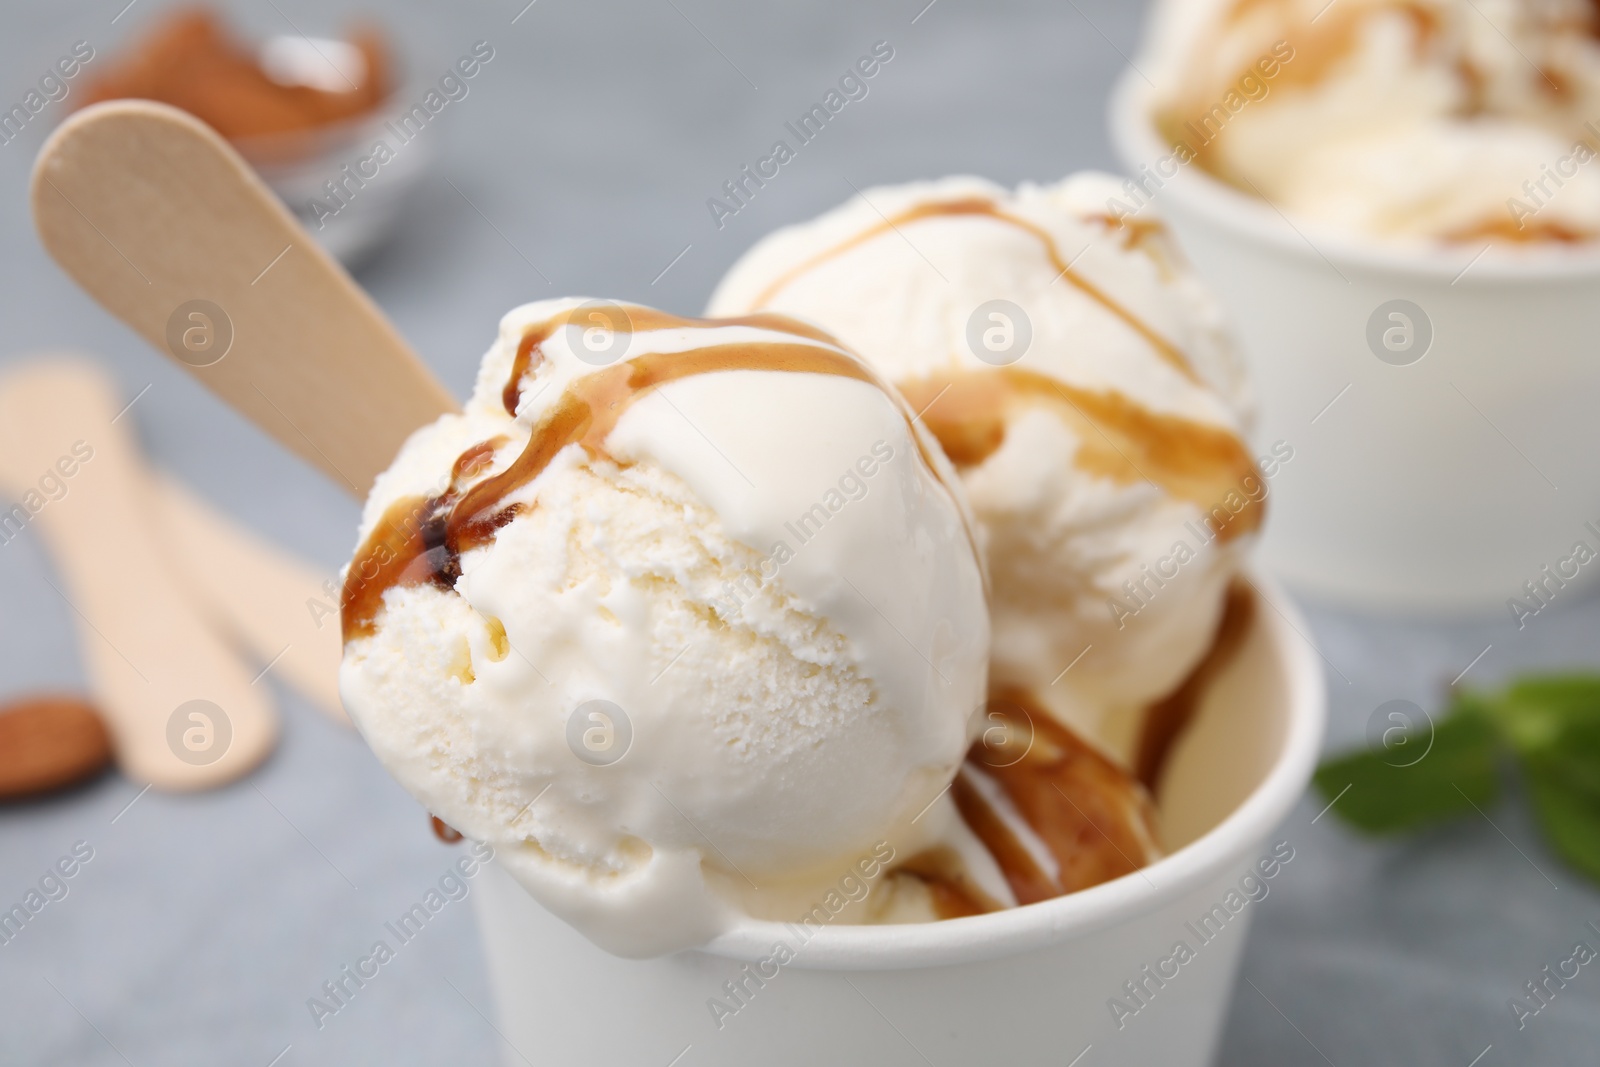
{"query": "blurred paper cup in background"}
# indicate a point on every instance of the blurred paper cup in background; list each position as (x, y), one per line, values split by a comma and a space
(1033, 985)
(1441, 404)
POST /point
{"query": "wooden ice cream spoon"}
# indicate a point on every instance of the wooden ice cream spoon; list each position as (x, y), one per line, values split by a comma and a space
(266, 601)
(163, 223)
(183, 710)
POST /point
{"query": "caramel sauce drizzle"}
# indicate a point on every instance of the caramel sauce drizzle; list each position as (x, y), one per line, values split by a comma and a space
(1095, 817)
(420, 540)
(529, 355)
(1318, 49)
(474, 459)
(1148, 237)
(953, 892)
(1166, 720)
(1028, 881)
(978, 206)
(1137, 234)
(634, 318)
(968, 411)
(444, 831)
(1096, 820)
(1506, 229)
(1321, 45)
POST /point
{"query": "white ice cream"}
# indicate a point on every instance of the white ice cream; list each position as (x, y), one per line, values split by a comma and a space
(774, 591)
(1408, 120)
(1108, 581)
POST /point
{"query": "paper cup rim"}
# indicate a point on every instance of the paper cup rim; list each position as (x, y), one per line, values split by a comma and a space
(1137, 142)
(1036, 926)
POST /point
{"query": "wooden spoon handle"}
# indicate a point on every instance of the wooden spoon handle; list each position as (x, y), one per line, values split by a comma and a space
(268, 601)
(163, 223)
(183, 709)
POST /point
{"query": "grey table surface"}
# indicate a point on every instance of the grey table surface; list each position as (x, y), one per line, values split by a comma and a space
(582, 160)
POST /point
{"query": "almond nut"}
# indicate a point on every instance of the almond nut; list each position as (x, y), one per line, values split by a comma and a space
(49, 742)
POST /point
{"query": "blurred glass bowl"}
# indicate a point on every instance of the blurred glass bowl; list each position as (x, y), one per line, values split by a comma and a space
(361, 189)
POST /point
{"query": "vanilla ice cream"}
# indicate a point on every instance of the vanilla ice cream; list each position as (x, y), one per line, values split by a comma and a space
(1409, 120)
(685, 618)
(1079, 378)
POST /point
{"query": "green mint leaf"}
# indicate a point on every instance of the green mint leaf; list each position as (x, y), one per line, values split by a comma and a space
(1569, 814)
(1390, 790)
(1554, 717)
(1554, 724)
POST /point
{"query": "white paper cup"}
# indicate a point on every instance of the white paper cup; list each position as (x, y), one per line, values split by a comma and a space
(1425, 475)
(1032, 985)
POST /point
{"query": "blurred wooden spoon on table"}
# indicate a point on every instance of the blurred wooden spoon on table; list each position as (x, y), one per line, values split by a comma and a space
(163, 223)
(183, 708)
(274, 605)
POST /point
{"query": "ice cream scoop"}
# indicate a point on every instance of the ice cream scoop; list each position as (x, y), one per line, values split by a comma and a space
(1079, 378)
(1408, 120)
(683, 617)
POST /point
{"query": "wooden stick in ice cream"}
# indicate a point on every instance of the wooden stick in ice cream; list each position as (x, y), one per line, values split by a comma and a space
(163, 223)
(182, 706)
